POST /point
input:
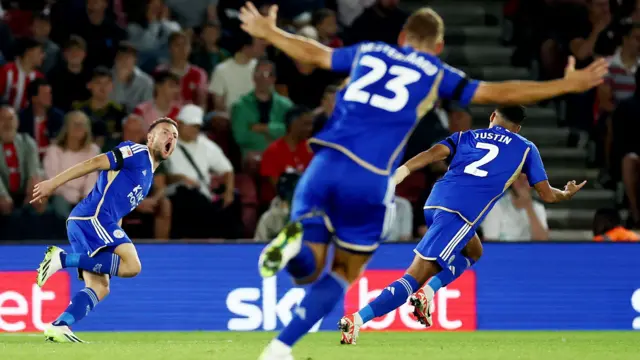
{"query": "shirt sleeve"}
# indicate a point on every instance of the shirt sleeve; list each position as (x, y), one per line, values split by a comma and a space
(457, 86)
(541, 213)
(491, 224)
(269, 166)
(533, 167)
(126, 155)
(342, 58)
(216, 86)
(452, 143)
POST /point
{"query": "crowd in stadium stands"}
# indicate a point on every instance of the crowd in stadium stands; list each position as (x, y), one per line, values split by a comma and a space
(80, 76)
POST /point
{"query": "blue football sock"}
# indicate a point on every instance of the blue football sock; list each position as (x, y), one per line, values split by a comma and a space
(302, 265)
(391, 298)
(445, 277)
(102, 263)
(81, 304)
(321, 298)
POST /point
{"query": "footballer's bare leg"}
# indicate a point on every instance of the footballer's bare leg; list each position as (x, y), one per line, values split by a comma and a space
(130, 265)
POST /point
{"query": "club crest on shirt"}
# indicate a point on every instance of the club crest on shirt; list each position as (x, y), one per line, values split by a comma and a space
(118, 234)
(126, 152)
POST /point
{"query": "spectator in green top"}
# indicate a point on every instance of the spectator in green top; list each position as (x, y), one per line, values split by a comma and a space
(257, 119)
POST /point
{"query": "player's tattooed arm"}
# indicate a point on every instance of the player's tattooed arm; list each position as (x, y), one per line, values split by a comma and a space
(436, 153)
(550, 194)
(527, 92)
(47, 187)
(296, 47)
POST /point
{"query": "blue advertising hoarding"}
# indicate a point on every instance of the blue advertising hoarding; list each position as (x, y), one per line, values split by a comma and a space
(184, 287)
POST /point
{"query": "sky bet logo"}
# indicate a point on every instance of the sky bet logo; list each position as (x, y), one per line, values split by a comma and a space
(455, 305)
(26, 307)
(262, 308)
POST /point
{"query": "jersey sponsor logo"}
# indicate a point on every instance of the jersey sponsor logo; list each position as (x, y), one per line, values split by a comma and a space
(455, 305)
(126, 152)
(26, 307)
(118, 234)
(261, 308)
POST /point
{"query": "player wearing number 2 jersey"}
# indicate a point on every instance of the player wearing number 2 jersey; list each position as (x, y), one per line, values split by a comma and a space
(483, 164)
(346, 194)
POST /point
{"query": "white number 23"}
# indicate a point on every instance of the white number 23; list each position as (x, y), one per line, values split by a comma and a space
(474, 167)
(398, 85)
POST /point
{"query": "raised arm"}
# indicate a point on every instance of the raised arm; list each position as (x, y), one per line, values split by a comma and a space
(296, 47)
(550, 194)
(47, 187)
(527, 92)
(436, 153)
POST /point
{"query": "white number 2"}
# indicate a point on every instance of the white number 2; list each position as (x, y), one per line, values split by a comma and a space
(398, 85)
(473, 168)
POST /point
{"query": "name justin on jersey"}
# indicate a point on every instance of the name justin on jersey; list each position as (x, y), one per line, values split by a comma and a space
(493, 136)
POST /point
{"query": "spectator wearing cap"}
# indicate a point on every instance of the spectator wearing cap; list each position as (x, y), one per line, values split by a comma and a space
(164, 103)
(290, 153)
(41, 29)
(70, 77)
(607, 226)
(193, 80)
(16, 75)
(150, 32)
(208, 54)
(277, 216)
(258, 118)
(40, 119)
(106, 116)
(233, 78)
(199, 210)
(131, 86)
(73, 145)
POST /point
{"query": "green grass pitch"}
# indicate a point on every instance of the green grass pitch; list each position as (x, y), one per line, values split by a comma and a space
(325, 345)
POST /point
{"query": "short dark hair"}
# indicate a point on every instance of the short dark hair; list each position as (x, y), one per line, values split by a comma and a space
(162, 120)
(33, 89)
(75, 41)
(319, 16)
(127, 47)
(211, 24)
(605, 219)
(44, 15)
(177, 35)
(25, 44)
(515, 114)
(265, 61)
(161, 77)
(294, 113)
(99, 72)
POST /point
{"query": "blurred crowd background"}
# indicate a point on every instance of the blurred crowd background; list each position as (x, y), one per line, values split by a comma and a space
(79, 76)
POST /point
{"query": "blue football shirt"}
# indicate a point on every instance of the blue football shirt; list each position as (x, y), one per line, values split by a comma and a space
(118, 192)
(390, 88)
(483, 165)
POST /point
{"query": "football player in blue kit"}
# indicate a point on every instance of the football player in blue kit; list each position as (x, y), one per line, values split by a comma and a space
(483, 164)
(101, 248)
(345, 196)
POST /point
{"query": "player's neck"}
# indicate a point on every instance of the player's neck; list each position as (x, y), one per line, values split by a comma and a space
(241, 58)
(291, 140)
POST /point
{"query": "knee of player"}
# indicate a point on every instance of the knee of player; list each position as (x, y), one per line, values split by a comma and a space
(131, 268)
(101, 290)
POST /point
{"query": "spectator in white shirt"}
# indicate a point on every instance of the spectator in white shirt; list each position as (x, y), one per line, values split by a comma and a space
(233, 78)
(190, 169)
(516, 216)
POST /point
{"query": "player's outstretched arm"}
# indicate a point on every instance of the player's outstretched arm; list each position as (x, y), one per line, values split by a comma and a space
(47, 187)
(296, 47)
(550, 194)
(437, 153)
(526, 92)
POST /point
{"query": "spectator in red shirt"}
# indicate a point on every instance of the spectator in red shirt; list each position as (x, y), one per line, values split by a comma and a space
(40, 119)
(290, 153)
(16, 76)
(193, 80)
(163, 104)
